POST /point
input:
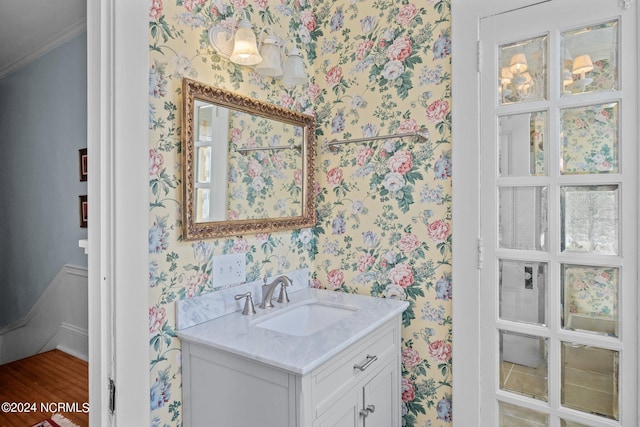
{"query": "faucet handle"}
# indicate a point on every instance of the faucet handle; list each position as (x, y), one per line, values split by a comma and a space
(248, 303)
(283, 296)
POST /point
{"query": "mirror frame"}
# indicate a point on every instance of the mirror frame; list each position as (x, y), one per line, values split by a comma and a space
(192, 230)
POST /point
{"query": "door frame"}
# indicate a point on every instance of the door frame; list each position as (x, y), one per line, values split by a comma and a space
(465, 19)
(117, 141)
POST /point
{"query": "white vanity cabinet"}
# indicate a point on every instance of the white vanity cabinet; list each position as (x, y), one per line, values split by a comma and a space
(227, 390)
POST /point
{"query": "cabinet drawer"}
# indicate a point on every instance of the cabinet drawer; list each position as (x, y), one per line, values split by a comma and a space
(335, 377)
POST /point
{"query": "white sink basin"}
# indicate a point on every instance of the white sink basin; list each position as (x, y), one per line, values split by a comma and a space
(306, 318)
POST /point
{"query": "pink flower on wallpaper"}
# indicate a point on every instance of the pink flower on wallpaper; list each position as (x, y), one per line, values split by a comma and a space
(250, 142)
(286, 100)
(236, 134)
(254, 168)
(363, 154)
(239, 4)
(335, 278)
(316, 284)
(198, 279)
(240, 246)
(364, 262)
(437, 110)
(362, 48)
(400, 162)
(191, 4)
(261, 4)
(408, 390)
(157, 316)
(262, 237)
(233, 214)
(156, 162)
(407, 126)
(439, 231)
(334, 75)
(408, 242)
(410, 357)
(191, 289)
(400, 49)
(440, 351)
(308, 19)
(278, 160)
(297, 177)
(401, 275)
(155, 10)
(334, 177)
(406, 14)
(313, 91)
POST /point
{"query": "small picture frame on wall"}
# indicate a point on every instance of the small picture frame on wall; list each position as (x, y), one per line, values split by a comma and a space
(82, 155)
(84, 211)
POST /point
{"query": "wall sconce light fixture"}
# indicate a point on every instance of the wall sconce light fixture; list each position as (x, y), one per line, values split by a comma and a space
(517, 66)
(581, 65)
(273, 59)
(239, 47)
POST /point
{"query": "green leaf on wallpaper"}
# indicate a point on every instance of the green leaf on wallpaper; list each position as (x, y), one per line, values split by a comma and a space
(174, 409)
(414, 292)
(405, 199)
(408, 316)
(412, 176)
(403, 85)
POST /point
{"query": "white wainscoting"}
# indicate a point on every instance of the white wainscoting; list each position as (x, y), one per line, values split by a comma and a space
(59, 319)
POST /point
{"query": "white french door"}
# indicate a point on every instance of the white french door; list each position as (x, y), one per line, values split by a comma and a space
(559, 213)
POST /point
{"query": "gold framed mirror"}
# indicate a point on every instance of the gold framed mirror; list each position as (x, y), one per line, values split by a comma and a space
(248, 166)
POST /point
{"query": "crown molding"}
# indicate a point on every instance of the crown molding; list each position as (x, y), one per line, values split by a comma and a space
(57, 40)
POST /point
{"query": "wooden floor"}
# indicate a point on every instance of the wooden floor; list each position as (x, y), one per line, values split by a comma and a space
(52, 380)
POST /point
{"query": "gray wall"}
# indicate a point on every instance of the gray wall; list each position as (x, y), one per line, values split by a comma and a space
(43, 124)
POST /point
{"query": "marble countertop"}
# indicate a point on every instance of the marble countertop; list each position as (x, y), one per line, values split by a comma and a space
(238, 334)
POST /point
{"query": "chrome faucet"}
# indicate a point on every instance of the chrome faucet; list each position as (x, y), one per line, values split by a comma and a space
(267, 291)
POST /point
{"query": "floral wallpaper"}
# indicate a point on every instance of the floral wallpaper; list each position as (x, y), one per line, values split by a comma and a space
(264, 184)
(590, 291)
(384, 208)
(590, 139)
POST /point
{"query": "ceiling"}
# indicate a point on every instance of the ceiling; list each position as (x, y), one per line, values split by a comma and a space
(30, 28)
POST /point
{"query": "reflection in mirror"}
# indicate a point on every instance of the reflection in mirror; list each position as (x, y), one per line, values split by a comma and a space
(518, 416)
(589, 219)
(522, 287)
(248, 165)
(522, 218)
(589, 379)
(524, 364)
(522, 144)
(589, 139)
(522, 71)
(590, 299)
(590, 59)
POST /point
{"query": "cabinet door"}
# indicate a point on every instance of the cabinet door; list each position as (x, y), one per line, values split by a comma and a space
(380, 398)
(345, 412)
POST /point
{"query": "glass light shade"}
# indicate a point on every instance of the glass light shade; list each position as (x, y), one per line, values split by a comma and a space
(518, 63)
(567, 77)
(271, 53)
(294, 73)
(245, 48)
(582, 64)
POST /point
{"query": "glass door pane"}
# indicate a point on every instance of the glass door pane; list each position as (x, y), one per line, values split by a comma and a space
(523, 71)
(590, 59)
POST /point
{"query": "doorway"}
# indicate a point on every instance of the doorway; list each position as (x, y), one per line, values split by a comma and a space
(556, 239)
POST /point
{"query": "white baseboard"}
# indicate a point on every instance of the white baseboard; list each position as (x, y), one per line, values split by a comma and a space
(59, 319)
